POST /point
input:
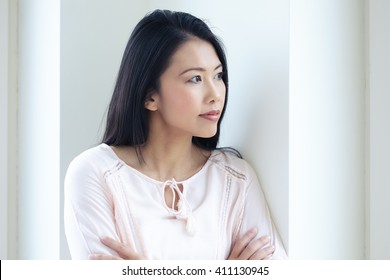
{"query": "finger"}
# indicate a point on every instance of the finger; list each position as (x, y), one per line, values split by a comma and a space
(253, 247)
(264, 253)
(242, 243)
(269, 257)
(103, 257)
(123, 251)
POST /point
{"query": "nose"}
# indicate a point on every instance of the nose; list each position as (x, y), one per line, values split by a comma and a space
(215, 92)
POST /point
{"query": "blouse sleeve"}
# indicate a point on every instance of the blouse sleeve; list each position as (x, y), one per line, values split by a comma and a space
(256, 214)
(88, 210)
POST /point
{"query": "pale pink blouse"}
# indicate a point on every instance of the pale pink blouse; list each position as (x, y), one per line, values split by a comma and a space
(106, 197)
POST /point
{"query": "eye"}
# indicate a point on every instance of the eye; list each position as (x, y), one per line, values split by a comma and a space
(219, 76)
(195, 79)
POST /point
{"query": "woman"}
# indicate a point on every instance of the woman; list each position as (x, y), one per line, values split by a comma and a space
(158, 187)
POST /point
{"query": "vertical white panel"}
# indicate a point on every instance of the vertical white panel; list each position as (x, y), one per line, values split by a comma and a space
(38, 164)
(327, 130)
(3, 128)
(12, 128)
(379, 146)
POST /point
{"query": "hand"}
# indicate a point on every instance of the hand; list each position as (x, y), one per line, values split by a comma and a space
(125, 252)
(246, 248)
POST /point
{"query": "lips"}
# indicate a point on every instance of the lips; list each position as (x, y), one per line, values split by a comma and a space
(211, 115)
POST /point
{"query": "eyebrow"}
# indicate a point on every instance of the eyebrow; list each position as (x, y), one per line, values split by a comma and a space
(198, 69)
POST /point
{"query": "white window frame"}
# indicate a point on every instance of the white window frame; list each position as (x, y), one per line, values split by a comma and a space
(3, 128)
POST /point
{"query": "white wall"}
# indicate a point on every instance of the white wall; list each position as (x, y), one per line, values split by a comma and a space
(39, 131)
(3, 128)
(327, 132)
(379, 137)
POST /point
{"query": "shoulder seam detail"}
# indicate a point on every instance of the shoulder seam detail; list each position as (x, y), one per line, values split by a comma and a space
(235, 173)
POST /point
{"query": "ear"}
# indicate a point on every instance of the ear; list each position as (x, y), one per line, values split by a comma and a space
(151, 102)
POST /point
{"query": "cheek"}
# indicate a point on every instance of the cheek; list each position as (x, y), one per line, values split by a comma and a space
(176, 98)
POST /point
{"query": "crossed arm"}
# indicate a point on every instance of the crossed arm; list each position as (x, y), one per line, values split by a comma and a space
(246, 248)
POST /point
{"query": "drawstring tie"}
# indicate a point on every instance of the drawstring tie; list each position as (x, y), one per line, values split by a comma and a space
(184, 211)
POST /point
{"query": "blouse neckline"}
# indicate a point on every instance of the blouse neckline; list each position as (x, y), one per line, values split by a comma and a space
(155, 181)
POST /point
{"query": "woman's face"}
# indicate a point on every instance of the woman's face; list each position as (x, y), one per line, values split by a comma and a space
(192, 93)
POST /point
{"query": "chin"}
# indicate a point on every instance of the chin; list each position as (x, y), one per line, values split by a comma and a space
(207, 134)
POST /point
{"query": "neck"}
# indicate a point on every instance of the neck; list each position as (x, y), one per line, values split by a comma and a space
(167, 158)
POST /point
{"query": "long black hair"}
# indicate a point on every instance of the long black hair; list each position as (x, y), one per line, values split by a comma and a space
(149, 49)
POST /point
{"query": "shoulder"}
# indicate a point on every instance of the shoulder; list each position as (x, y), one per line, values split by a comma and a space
(235, 166)
(98, 159)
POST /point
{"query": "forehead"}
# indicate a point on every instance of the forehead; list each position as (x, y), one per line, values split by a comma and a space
(195, 53)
